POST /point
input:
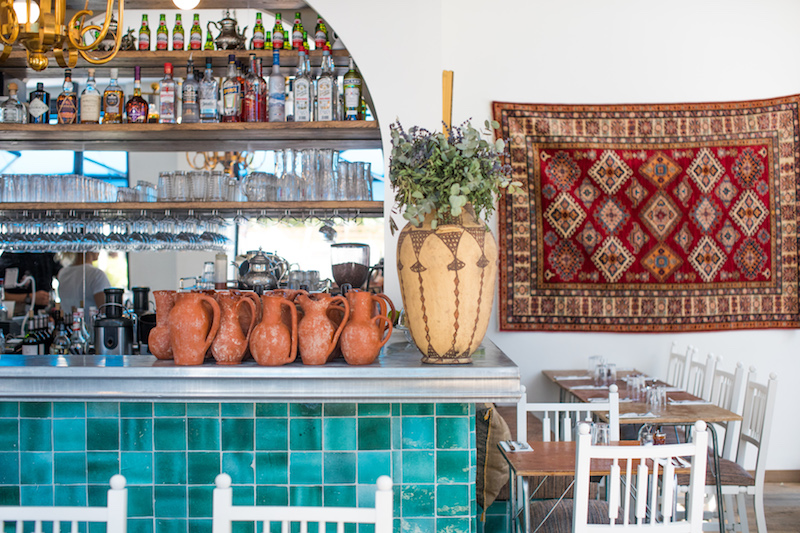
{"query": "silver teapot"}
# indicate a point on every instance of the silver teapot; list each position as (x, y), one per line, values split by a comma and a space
(229, 37)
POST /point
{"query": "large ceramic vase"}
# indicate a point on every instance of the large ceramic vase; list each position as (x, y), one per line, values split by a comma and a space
(367, 330)
(158, 340)
(447, 280)
(193, 324)
(317, 334)
(273, 343)
(238, 316)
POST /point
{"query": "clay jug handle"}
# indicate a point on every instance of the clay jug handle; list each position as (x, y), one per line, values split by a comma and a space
(382, 301)
(344, 320)
(293, 311)
(214, 320)
(387, 331)
(253, 314)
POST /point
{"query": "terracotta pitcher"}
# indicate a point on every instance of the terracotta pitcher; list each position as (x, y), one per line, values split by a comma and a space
(272, 342)
(318, 334)
(383, 301)
(291, 295)
(237, 320)
(193, 324)
(158, 340)
(366, 330)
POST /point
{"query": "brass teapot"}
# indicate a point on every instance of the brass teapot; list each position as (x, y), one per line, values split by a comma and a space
(229, 37)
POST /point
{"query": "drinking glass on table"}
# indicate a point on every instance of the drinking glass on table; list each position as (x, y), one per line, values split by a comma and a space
(600, 434)
(610, 373)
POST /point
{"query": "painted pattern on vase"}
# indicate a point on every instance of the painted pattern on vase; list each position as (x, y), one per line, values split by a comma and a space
(366, 330)
(158, 340)
(318, 335)
(193, 324)
(237, 319)
(273, 343)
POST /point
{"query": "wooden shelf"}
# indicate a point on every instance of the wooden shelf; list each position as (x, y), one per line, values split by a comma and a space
(240, 136)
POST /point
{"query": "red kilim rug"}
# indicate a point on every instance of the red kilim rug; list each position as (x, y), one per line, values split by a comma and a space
(673, 217)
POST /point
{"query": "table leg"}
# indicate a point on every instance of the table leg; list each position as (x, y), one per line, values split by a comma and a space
(512, 487)
(716, 478)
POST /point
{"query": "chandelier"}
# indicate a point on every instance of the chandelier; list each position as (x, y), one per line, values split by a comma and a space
(234, 163)
(42, 27)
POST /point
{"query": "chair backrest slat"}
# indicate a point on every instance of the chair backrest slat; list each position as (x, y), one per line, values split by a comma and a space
(679, 363)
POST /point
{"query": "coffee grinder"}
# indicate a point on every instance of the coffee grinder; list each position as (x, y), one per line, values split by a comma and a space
(350, 265)
(113, 332)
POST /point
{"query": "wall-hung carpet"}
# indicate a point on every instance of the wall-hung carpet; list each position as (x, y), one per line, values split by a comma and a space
(673, 217)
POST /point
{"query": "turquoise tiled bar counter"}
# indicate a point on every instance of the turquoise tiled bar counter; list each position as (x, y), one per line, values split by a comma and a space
(296, 434)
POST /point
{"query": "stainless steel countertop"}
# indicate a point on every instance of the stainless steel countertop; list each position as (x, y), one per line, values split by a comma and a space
(398, 375)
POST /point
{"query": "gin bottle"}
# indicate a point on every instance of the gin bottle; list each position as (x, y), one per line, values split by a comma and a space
(257, 42)
(190, 92)
(196, 34)
(231, 93)
(39, 106)
(13, 112)
(166, 96)
(90, 101)
(277, 88)
(209, 95)
(303, 88)
(162, 33)
(137, 108)
(352, 93)
(144, 35)
(67, 102)
(327, 89)
(177, 33)
(113, 100)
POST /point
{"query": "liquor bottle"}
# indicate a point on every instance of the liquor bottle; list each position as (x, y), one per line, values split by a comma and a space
(78, 343)
(277, 33)
(251, 102)
(320, 34)
(209, 95)
(303, 88)
(13, 112)
(39, 106)
(277, 88)
(190, 92)
(352, 93)
(297, 31)
(231, 95)
(166, 96)
(268, 41)
(257, 42)
(60, 344)
(196, 34)
(144, 35)
(162, 33)
(90, 101)
(153, 105)
(30, 344)
(67, 101)
(327, 88)
(177, 33)
(240, 79)
(136, 108)
(262, 96)
(113, 100)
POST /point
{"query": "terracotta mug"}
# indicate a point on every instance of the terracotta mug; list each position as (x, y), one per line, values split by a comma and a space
(272, 342)
(158, 340)
(364, 335)
(317, 334)
(192, 327)
(236, 326)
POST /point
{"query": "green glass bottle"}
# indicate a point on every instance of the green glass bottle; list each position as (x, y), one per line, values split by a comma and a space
(144, 35)
(196, 34)
(257, 42)
(277, 33)
(209, 41)
(268, 41)
(320, 34)
(162, 33)
(352, 84)
(177, 34)
(297, 32)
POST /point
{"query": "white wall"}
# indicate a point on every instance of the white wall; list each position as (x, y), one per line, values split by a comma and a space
(583, 51)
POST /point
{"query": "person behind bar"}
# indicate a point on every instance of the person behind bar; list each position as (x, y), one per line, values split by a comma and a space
(42, 267)
(81, 282)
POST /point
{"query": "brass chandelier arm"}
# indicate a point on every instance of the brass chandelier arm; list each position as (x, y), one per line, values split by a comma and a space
(11, 27)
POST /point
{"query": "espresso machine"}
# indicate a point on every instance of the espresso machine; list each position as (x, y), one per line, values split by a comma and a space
(113, 331)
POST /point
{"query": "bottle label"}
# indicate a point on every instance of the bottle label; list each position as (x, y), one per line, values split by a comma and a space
(302, 103)
(352, 96)
(258, 40)
(137, 114)
(37, 107)
(189, 94)
(162, 41)
(144, 41)
(277, 40)
(167, 107)
(319, 38)
(325, 99)
(297, 39)
(90, 108)
(177, 41)
(208, 108)
(230, 100)
(277, 100)
(67, 111)
(196, 40)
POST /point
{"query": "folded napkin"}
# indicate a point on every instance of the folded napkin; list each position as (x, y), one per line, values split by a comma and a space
(565, 378)
(518, 446)
(589, 387)
(637, 415)
(688, 402)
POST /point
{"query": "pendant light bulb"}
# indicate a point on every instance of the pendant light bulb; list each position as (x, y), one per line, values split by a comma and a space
(21, 10)
(186, 5)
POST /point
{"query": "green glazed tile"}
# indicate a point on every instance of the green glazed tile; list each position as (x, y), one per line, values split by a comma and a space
(69, 434)
(272, 468)
(35, 435)
(237, 434)
(9, 468)
(397, 466)
(69, 495)
(496, 523)
(69, 468)
(201, 501)
(397, 433)
(365, 495)
(452, 466)
(454, 525)
(305, 468)
(452, 409)
(102, 409)
(202, 409)
(201, 525)
(271, 495)
(452, 500)
(243, 495)
(238, 410)
(203, 433)
(418, 432)
(339, 468)
(305, 434)
(9, 409)
(272, 434)
(374, 433)
(371, 465)
(339, 433)
(272, 409)
(34, 409)
(305, 409)
(170, 502)
(374, 409)
(36, 495)
(239, 466)
(417, 409)
(36, 468)
(418, 467)
(9, 495)
(202, 467)
(136, 410)
(452, 433)
(418, 500)
(339, 496)
(339, 409)
(396, 409)
(140, 502)
(169, 434)
(137, 467)
(311, 496)
(102, 433)
(140, 525)
(9, 435)
(136, 434)
(169, 468)
(417, 525)
(69, 410)
(169, 409)
(171, 525)
(100, 466)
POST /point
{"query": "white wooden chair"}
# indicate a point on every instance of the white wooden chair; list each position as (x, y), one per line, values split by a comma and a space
(642, 497)
(679, 363)
(727, 391)
(559, 419)
(114, 514)
(225, 513)
(700, 377)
